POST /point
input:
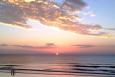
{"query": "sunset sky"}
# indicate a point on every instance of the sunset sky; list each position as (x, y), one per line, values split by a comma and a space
(51, 26)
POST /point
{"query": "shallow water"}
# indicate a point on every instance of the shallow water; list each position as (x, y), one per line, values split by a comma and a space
(55, 66)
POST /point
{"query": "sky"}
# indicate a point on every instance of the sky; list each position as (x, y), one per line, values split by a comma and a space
(57, 26)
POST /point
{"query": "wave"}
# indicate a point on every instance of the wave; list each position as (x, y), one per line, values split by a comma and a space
(72, 69)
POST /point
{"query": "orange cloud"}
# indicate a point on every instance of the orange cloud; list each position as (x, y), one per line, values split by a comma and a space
(48, 12)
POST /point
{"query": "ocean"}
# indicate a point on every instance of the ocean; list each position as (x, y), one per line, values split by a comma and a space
(56, 66)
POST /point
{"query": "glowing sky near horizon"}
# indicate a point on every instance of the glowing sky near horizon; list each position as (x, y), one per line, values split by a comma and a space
(71, 26)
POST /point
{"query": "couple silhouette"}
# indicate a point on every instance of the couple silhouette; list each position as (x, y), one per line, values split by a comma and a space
(12, 71)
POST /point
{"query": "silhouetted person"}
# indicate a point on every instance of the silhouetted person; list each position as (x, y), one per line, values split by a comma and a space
(12, 71)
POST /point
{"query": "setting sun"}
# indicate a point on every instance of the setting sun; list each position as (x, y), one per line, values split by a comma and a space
(57, 53)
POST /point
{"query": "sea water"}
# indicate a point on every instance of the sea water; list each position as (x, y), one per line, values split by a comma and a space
(57, 66)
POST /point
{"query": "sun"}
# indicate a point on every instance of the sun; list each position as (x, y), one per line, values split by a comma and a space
(57, 53)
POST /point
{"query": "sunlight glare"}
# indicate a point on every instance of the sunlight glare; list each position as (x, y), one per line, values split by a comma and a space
(57, 53)
(29, 0)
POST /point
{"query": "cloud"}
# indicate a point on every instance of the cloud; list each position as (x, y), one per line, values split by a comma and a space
(48, 45)
(91, 14)
(84, 46)
(3, 45)
(12, 14)
(112, 29)
(91, 46)
(48, 12)
(73, 5)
